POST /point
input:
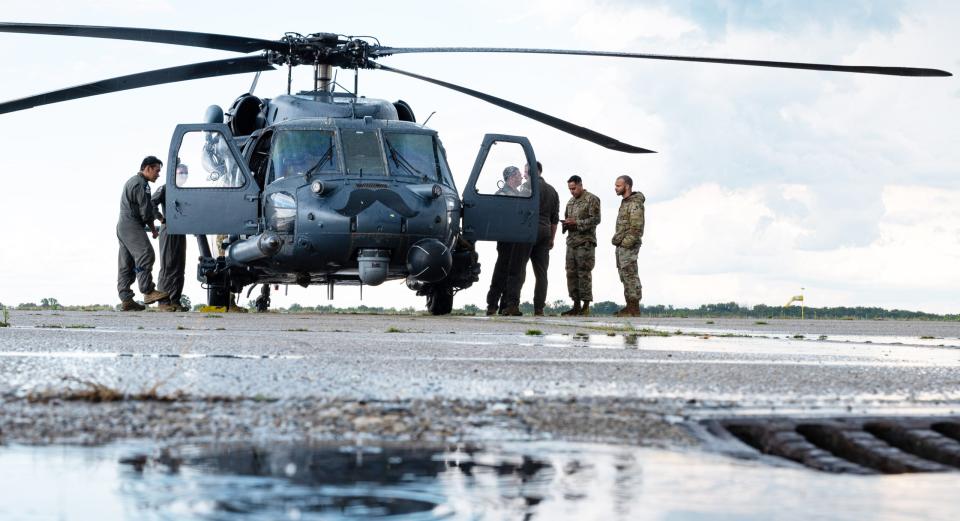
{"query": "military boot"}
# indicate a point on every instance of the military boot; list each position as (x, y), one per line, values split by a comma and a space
(491, 311)
(153, 296)
(632, 309)
(538, 312)
(166, 305)
(131, 305)
(585, 310)
(573, 312)
(512, 311)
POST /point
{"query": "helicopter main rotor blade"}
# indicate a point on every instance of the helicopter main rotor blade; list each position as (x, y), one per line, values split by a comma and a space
(192, 71)
(193, 39)
(863, 69)
(557, 123)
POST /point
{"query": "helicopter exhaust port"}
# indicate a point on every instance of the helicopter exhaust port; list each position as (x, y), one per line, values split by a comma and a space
(255, 248)
(374, 265)
(429, 260)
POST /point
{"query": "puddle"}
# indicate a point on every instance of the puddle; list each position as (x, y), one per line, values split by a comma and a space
(549, 480)
(845, 351)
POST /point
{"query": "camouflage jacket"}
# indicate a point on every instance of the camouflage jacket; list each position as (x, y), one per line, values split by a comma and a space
(629, 231)
(586, 210)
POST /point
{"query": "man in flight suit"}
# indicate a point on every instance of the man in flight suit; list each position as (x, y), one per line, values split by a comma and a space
(136, 254)
(509, 256)
(173, 250)
(546, 232)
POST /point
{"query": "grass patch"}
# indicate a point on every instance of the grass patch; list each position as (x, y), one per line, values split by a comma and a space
(392, 329)
(220, 329)
(50, 326)
(822, 337)
(213, 316)
(710, 322)
(798, 337)
(298, 330)
(182, 328)
(760, 323)
(6, 318)
(96, 392)
(81, 326)
(534, 332)
(926, 337)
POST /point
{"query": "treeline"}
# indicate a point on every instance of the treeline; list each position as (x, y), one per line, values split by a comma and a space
(605, 308)
(734, 310)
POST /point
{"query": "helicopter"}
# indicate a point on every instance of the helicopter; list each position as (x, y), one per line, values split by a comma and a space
(319, 187)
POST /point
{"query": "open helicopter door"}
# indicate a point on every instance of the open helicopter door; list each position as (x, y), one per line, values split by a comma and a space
(209, 189)
(499, 202)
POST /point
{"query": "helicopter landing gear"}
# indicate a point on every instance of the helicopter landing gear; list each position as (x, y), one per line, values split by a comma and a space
(263, 301)
(440, 300)
(218, 296)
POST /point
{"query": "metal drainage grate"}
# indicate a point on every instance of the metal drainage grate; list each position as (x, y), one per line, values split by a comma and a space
(850, 445)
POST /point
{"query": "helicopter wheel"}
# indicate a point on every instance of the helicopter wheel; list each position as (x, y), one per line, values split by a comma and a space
(440, 300)
(263, 301)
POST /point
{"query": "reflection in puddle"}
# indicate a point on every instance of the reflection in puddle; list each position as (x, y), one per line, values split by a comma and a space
(530, 481)
(331, 483)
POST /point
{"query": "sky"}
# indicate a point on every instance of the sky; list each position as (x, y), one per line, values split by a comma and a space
(766, 181)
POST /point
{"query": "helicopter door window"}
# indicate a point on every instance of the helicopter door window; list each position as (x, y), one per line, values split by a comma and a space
(301, 152)
(362, 152)
(503, 173)
(205, 161)
(411, 155)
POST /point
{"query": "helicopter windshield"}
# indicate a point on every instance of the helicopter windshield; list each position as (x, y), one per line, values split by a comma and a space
(299, 152)
(361, 148)
(412, 155)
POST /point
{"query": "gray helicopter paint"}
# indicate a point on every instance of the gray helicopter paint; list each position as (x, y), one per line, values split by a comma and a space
(326, 105)
(220, 210)
(355, 214)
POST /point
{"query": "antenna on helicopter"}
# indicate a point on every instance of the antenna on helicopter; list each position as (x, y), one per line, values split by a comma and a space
(253, 86)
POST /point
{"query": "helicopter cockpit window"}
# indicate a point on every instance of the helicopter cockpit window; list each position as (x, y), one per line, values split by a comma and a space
(503, 171)
(362, 153)
(206, 162)
(445, 174)
(411, 155)
(299, 152)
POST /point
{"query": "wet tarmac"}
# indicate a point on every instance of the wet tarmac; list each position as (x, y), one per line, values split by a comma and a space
(555, 481)
(554, 390)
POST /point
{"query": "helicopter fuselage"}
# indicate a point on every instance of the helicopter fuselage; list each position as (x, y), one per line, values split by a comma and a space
(327, 189)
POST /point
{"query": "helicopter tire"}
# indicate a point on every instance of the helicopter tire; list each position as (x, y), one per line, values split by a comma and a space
(440, 301)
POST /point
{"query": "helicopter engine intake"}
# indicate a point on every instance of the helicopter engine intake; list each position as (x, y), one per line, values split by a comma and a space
(255, 248)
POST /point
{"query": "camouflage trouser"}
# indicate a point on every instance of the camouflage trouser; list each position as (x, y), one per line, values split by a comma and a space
(580, 262)
(627, 266)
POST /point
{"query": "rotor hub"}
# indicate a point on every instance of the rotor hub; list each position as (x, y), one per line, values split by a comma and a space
(322, 49)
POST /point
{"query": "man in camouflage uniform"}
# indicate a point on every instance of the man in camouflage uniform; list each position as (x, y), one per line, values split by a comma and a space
(580, 223)
(135, 261)
(627, 239)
